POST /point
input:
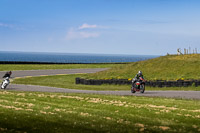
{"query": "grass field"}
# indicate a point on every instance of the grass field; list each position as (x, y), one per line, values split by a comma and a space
(170, 67)
(68, 81)
(56, 112)
(12, 67)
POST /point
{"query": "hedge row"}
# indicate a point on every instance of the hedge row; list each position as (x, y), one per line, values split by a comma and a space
(158, 83)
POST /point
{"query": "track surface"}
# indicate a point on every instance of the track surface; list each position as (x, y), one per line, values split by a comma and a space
(170, 94)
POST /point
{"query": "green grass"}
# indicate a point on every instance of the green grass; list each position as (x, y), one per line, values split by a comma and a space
(65, 81)
(12, 67)
(171, 67)
(57, 112)
(68, 81)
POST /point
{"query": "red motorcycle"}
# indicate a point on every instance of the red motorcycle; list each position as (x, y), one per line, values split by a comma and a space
(139, 85)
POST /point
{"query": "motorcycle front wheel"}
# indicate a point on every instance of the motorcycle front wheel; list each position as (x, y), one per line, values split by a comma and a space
(142, 88)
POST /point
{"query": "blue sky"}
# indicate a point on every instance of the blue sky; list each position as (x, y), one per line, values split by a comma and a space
(142, 27)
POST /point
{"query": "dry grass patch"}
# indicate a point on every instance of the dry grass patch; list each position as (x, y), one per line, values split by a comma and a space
(35, 112)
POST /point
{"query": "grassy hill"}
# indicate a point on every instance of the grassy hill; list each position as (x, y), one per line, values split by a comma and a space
(171, 67)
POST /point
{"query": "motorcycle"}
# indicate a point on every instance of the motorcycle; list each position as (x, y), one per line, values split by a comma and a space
(5, 83)
(138, 86)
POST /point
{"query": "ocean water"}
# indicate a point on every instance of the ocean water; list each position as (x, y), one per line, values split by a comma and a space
(70, 58)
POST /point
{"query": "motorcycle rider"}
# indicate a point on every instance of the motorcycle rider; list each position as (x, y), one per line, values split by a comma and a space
(8, 74)
(137, 78)
(6, 80)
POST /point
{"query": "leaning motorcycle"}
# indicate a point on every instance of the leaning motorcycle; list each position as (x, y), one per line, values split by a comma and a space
(5, 83)
(138, 86)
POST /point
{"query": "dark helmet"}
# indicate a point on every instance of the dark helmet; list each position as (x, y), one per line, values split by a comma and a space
(10, 72)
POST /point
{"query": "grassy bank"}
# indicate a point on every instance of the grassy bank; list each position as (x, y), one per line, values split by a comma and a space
(170, 67)
(12, 67)
(65, 81)
(54, 112)
(68, 81)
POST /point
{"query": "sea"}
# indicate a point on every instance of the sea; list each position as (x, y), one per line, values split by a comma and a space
(70, 57)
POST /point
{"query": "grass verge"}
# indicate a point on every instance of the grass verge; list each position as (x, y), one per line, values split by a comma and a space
(12, 67)
(68, 81)
(56, 112)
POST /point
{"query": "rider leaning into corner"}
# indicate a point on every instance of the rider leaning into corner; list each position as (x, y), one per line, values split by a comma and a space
(7, 75)
(137, 77)
(6, 80)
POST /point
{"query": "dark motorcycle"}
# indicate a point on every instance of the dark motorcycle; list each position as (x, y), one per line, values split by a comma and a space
(138, 86)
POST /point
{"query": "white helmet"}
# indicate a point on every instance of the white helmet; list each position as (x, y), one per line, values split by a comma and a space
(140, 72)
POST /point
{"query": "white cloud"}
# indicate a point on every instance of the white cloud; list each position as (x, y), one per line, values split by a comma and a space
(77, 34)
(84, 31)
(6, 25)
(88, 34)
(11, 26)
(87, 26)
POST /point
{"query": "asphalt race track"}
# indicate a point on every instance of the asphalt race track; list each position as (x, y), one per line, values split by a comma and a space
(33, 88)
(171, 94)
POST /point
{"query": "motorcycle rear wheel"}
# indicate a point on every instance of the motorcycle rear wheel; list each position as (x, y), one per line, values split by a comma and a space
(1, 85)
(133, 90)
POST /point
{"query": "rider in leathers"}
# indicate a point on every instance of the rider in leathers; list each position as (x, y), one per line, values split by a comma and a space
(137, 78)
(8, 74)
